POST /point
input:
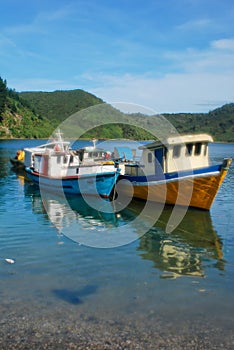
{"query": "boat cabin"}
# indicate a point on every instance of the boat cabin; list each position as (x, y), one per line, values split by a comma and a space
(174, 154)
(60, 161)
(91, 154)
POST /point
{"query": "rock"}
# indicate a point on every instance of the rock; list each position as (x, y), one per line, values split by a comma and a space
(10, 261)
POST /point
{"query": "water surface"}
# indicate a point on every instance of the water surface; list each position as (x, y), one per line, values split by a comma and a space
(170, 289)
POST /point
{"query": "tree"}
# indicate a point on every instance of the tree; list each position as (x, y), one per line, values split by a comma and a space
(3, 97)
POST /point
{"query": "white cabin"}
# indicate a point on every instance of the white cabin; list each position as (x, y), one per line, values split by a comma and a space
(176, 153)
(60, 161)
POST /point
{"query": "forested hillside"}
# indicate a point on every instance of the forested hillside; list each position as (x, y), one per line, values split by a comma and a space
(58, 105)
(37, 114)
(17, 118)
(219, 123)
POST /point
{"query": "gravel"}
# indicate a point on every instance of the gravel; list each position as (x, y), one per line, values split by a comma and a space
(40, 328)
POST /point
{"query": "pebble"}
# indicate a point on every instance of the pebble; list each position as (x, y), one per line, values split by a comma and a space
(10, 261)
(35, 328)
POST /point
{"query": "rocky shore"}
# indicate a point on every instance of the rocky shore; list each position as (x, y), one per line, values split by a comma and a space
(22, 329)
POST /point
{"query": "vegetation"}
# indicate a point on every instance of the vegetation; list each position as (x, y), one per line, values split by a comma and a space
(219, 123)
(3, 97)
(37, 114)
(59, 105)
(17, 119)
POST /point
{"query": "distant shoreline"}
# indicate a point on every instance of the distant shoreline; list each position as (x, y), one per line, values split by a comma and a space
(88, 139)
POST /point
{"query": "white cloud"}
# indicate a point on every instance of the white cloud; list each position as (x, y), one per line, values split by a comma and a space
(179, 92)
(6, 42)
(39, 84)
(223, 44)
(39, 23)
(217, 57)
(173, 93)
(196, 24)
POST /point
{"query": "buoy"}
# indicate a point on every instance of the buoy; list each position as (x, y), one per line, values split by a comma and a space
(10, 261)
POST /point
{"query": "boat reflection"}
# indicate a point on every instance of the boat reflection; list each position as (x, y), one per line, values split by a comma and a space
(76, 219)
(188, 250)
(63, 210)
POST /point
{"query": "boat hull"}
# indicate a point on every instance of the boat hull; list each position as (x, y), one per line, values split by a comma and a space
(195, 190)
(94, 184)
(17, 164)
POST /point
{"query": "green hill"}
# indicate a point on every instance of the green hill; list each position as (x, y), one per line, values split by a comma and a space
(17, 119)
(58, 105)
(219, 123)
(37, 114)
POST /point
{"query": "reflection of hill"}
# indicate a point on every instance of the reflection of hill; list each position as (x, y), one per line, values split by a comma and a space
(4, 163)
(185, 250)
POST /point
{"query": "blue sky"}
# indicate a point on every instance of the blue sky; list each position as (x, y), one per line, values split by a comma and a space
(166, 55)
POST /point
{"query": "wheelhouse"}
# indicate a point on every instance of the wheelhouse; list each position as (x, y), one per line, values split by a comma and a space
(174, 154)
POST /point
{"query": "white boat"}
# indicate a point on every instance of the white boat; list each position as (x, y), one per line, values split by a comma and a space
(175, 171)
(83, 171)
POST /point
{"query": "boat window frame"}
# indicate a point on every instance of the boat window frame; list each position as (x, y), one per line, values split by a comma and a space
(205, 149)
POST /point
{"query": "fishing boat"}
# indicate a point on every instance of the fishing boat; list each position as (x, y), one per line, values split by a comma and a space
(54, 166)
(175, 171)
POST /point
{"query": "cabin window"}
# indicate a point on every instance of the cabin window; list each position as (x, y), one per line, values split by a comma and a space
(150, 157)
(81, 156)
(58, 160)
(198, 147)
(64, 160)
(189, 149)
(176, 151)
(71, 159)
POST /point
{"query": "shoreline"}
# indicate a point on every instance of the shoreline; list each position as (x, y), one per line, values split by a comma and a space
(100, 139)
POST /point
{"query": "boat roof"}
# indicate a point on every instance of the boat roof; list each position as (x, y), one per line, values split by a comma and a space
(92, 149)
(45, 146)
(180, 139)
(53, 143)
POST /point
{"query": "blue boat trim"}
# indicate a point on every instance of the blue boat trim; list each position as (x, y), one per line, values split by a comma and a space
(210, 170)
(104, 182)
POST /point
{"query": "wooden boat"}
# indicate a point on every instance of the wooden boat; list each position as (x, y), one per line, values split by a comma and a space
(175, 171)
(84, 171)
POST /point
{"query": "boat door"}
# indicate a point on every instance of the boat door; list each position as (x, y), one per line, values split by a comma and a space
(158, 154)
(45, 164)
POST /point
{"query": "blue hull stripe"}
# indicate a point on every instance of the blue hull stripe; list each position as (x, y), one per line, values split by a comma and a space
(175, 175)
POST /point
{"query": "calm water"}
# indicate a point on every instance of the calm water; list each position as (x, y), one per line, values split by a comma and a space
(182, 280)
